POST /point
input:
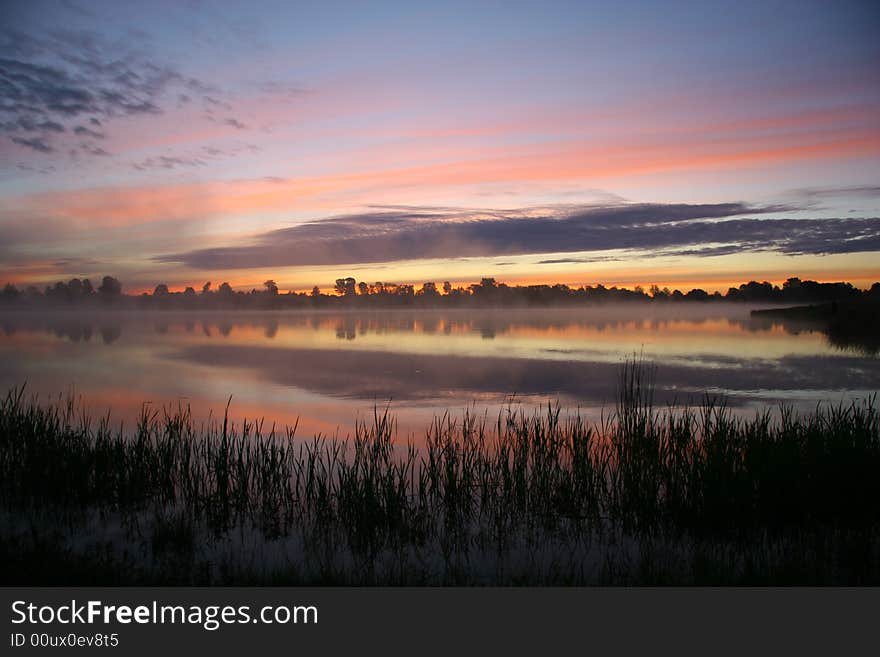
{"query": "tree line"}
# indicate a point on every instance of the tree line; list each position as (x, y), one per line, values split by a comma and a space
(348, 292)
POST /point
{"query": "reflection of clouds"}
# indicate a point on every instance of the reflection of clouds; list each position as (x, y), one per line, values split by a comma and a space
(562, 354)
(419, 377)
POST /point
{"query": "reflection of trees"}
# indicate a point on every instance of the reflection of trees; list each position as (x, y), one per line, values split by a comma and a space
(848, 326)
(110, 333)
(347, 329)
(72, 329)
(78, 327)
(864, 344)
(759, 323)
(855, 328)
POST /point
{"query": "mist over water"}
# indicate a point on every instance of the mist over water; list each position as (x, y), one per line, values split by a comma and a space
(327, 369)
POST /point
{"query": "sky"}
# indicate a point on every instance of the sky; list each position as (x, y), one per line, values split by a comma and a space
(683, 144)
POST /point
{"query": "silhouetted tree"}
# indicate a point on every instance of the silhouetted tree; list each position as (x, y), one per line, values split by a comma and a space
(57, 292)
(792, 285)
(487, 292)
(429, 290)
(10, 292)
(345, 286)
(74, 288)
(110, 288)
(697, 295)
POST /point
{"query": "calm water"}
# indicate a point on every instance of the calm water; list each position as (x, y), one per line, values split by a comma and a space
(328, 369)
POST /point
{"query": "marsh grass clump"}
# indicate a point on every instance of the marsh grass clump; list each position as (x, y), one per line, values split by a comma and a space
(647, 495)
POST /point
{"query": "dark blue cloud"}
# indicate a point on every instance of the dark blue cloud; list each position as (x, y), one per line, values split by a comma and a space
(235, 123)
(852, 191)
(49, 82)
(34, 143)
(651, 229)
(83, 131)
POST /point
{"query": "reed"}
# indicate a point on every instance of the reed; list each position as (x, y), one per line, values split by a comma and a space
(647, 495)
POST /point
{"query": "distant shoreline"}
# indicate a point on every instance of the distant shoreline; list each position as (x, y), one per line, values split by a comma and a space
(489, 293)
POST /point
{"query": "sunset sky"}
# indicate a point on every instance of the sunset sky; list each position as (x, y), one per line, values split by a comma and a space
(684, 144)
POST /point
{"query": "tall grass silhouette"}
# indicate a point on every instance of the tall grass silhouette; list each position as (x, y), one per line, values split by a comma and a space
(647, 495)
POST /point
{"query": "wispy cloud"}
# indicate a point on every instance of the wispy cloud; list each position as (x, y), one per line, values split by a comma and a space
(167, 162)
(83, 131)
(92, 149)
(70, 77)
(578, 261)
(652, 229)
(38, 144)
(199, 158)
(235, 123)
(817, 193)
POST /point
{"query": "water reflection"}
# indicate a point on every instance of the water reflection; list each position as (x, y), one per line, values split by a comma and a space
(329, 365)
(384, 375)
(348, 326)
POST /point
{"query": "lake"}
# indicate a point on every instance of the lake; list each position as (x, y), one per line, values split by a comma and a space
(327, 370)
